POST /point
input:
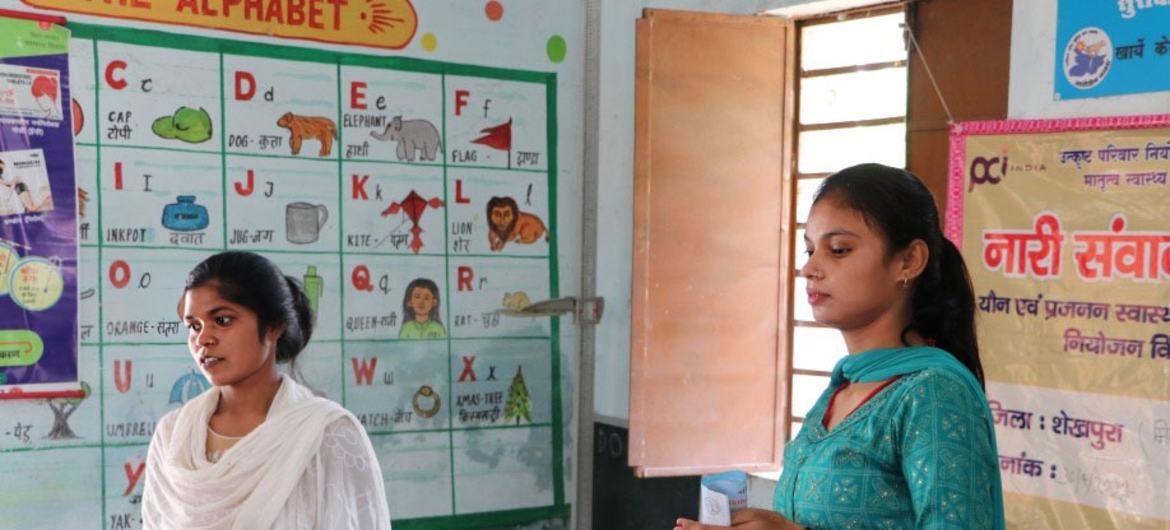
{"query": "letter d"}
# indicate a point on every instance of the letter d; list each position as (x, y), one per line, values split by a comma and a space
(245, 86)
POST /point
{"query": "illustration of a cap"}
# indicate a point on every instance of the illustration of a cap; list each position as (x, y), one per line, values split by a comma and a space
(187, 124)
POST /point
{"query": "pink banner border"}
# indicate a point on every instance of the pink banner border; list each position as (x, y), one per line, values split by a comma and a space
(953, 223)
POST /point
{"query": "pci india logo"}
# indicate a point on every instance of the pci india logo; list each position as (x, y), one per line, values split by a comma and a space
(1087, 58)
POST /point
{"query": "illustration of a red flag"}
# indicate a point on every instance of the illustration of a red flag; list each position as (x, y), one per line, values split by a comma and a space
(498, 137)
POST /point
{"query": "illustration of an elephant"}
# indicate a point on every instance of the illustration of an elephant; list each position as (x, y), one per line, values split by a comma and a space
(411, 135)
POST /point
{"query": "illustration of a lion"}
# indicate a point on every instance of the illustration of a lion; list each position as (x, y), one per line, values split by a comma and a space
(320, 128)
(507, 223)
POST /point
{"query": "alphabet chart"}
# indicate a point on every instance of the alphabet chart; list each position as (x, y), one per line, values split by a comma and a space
(414, 201)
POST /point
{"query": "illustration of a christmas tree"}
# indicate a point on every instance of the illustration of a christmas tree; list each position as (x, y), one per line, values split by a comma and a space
(519, 403)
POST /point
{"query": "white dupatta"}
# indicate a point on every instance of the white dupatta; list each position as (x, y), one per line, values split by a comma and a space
(281, 472)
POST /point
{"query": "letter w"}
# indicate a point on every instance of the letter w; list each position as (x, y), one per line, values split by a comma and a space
(364, 369)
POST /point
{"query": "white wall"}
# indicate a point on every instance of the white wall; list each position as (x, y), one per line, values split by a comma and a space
(1030, 90)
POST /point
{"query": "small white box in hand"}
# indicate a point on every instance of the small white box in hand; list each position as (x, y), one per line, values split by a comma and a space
(721, 495)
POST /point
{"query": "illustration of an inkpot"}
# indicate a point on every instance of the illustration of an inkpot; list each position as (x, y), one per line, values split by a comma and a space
(303, 222)
(184, 215)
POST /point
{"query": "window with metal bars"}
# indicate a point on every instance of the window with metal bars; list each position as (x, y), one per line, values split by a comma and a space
(851, 108)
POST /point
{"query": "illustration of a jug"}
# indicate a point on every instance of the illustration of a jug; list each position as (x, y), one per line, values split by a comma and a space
(303, 222)
(184, 215)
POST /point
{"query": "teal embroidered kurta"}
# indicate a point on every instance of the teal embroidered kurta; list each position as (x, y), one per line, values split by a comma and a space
(916, 456)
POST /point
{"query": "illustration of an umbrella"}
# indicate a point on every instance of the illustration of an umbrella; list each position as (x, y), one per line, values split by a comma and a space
(414, 206)
(188, 386)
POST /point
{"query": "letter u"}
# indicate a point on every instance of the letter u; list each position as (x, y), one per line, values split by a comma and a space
(122, 378)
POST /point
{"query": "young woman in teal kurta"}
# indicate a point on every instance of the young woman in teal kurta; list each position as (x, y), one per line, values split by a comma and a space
(919, 454)
(902, 437)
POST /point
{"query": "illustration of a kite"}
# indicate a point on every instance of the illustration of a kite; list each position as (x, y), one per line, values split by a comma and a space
(414, 206)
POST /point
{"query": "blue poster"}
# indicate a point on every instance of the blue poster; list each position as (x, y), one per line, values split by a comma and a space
(38, 209)
(1108, 48)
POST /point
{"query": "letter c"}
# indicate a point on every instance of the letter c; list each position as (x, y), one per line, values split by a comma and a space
(116, 83)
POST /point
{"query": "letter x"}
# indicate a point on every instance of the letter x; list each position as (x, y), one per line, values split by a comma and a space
(468, 370)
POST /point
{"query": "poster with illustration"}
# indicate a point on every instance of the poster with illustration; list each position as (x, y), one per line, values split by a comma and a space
(38, 232)
(24, 183)
(414, 201)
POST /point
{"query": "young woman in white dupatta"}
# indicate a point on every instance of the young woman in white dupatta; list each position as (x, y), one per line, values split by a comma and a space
(258, 450)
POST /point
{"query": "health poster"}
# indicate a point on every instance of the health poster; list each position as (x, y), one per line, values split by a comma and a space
(414, 200)
(38, 230)
(1064, 229)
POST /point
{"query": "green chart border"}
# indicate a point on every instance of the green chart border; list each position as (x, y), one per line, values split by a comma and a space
(560, 507)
